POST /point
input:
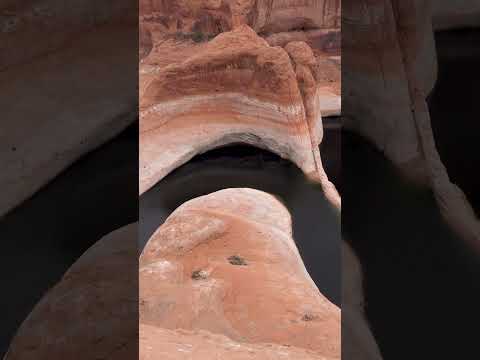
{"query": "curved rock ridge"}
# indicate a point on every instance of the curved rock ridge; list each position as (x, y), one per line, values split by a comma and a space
(234, 89)
(224, 270)
(91, 313)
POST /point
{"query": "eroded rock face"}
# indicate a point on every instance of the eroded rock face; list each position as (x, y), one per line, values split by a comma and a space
(233, 89)
(224, 272)
(211, 17)
(92, 312)
(52, 114)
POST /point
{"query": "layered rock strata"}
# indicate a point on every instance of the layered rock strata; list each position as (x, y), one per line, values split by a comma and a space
(92, 313)
(233, 89)
(66, 87)
(279, 22)
(223, 272)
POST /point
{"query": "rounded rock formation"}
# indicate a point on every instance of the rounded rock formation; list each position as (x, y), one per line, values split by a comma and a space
(233, 89)
(224, 272)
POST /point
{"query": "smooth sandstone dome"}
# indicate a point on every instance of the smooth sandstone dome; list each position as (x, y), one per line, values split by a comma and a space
(224, 271)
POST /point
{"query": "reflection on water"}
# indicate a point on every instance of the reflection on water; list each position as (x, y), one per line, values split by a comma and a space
(316, 226)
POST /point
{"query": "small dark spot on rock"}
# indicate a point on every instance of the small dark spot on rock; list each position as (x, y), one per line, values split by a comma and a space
(199, 275)
(14, 148)
(308, 317)
(237, 260)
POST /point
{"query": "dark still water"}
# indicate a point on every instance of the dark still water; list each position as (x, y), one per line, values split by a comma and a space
(455, 110)
(316, 226)
(422, 287)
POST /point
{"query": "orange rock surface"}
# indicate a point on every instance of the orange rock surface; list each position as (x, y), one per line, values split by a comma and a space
(235, 88)
(223, 272)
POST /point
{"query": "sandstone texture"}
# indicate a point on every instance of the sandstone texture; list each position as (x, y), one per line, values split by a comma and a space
(66, 86)
(92, 312)
(221, 72)
(222, 278)
(235, 88)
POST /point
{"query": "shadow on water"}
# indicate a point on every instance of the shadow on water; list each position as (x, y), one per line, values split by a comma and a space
(316, 226)
(422, 285)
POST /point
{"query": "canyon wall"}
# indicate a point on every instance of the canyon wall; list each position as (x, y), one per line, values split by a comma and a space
(235, 88)
(265, 16)
(389, 70)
